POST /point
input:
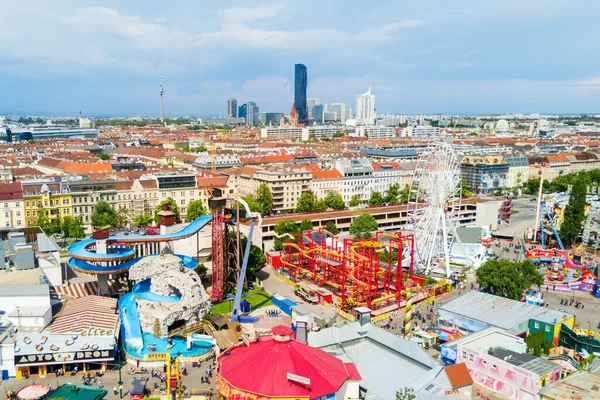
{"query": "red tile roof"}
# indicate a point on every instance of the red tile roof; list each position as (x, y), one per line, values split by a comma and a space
(11, 191)
(330, 174)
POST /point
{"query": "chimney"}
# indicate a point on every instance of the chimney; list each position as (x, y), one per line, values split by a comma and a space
(363, 315)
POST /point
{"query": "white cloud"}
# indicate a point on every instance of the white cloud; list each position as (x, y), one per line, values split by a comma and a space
(246, 14)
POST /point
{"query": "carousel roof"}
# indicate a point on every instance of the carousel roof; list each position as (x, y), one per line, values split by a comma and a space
(262, 368)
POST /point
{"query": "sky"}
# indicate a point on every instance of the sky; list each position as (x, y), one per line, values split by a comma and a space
(428, 56)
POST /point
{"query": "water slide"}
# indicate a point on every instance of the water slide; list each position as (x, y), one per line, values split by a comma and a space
(83, 259)
(130, 322)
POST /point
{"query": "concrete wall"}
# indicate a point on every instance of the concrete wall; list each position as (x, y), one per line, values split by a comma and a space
(487, 214)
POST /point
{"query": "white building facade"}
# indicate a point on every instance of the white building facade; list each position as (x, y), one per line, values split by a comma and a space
(365, 108)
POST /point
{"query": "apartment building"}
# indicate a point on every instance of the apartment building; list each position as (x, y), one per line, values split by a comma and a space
(324, 182)
(86, 193)
(12, 206)
(387, 173)
(286, 186)
(288, 132)
(557, 165)
(358, 178)
(376, 132)
(54, 198)
(483, 174)
(518, 171)
(181, 187)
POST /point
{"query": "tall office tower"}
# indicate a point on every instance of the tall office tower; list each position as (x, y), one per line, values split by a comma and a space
(365, 108)
(339, 109)
(301, 80)
(232, 110)
(242, 111)
(317, 113)
(162, 120)
(310, 103)
(252, 114)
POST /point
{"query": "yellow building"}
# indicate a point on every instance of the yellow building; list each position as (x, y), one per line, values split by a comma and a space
(54, 198)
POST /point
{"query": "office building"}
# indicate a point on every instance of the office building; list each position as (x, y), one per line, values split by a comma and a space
(252, 114)
(365, 108)
(300, 83)
(317, 113)
(242, 111)
(338, 110)
(223, 121)
(285, 132)
(232, 108)
(421, 132)
(310, 103)
(376, 132)
(270, 118)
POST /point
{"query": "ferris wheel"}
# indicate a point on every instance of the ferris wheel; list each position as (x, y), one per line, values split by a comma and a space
(433, 204)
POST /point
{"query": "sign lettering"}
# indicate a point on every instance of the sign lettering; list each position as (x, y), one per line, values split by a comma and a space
(297, 378)
(62, 357)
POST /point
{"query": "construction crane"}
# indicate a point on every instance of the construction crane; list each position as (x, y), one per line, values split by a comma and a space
(235, 313)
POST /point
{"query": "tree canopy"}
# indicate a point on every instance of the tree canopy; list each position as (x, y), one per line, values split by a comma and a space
(195, 209)
(334, 200)
(507, 278)
(332, 228)
(354, 201)
(256, 259)
(363, 226)
(376, 199)
(174, 208)
(281, 228)
(574, 214)
(142, 220)
(73, 227)
(392, 194)
(104, 214)
(307, 202)
(264, 199)
(306, 225)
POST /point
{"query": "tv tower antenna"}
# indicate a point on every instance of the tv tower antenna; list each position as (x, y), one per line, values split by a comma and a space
(162, 120)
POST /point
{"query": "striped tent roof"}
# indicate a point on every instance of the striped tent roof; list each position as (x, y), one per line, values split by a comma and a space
(83, 289)
(86, 312)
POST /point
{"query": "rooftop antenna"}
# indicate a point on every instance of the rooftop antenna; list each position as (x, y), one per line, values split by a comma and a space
(162, 120)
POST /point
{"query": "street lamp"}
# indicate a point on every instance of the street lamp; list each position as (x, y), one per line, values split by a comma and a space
(120, 380)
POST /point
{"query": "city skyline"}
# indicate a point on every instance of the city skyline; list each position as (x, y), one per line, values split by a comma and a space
(441, 58)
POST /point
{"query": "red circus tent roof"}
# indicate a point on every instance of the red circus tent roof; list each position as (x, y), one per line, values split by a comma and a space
(262, 368)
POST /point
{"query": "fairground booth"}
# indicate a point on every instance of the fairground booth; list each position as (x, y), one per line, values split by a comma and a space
(82, 337)
(279, 366)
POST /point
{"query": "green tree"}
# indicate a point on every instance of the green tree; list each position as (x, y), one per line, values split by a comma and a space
(73, 227)
(307, 202)
(281, 228)
(507, 278)
(306, 225)
(103, 215)
(392, 194)
(174, 208)
(142, 220)
(464, 192)
(123, 217)
(332, 228)
(339, 134)
(256, 259)
(264, 199)
(201, 270)
(104, 156)
(535, 342)
(574, 213)
(532, 186)
(406, 393)
(195, 209)
(354, 201)
(42, 220)
(363, 226)
(334, 200)
(376, 199)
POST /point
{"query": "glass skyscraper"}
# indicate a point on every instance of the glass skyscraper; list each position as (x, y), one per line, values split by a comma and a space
(301, 81)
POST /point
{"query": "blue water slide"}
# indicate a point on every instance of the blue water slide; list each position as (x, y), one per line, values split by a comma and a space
(84, 266)
(142, 291)
(184, 232)
(130, 321)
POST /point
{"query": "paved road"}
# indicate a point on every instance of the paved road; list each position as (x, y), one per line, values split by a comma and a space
(273, 284)
(110, 379)
(522, 220)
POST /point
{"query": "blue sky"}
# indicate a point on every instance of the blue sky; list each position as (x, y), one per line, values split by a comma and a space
(427, 56)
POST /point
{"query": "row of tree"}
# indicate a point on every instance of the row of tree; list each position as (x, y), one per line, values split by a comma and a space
(106, 215)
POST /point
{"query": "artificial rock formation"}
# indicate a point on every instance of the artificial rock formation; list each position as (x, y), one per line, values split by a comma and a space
(169, 278)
